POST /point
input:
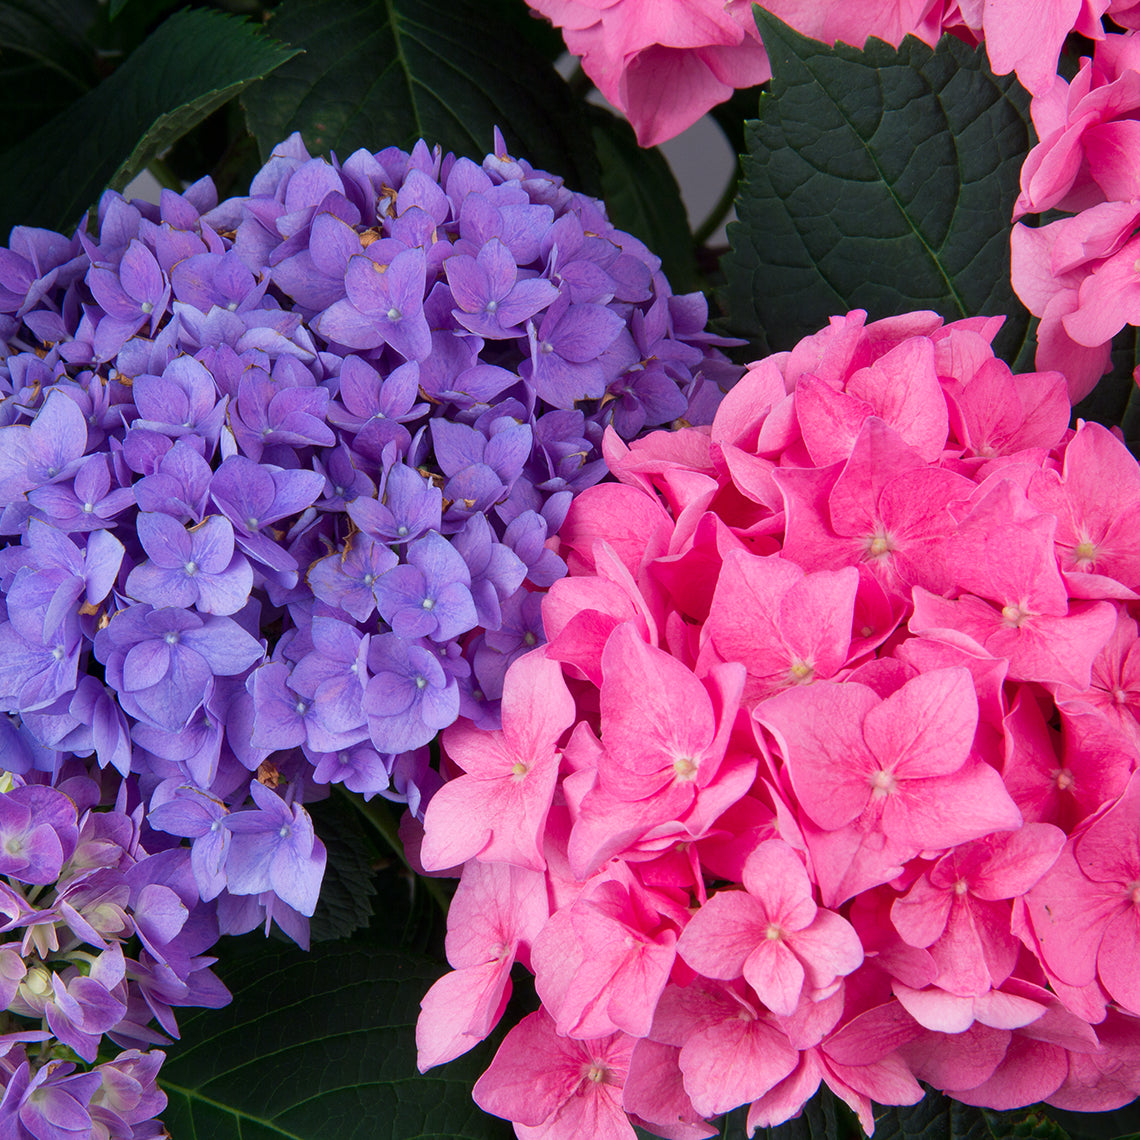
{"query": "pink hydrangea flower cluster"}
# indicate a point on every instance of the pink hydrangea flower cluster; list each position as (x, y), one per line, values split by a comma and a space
(665, 64)
(828, 771)
(1079, 273)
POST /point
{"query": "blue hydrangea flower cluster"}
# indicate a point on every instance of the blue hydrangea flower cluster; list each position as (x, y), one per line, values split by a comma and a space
(280, 480)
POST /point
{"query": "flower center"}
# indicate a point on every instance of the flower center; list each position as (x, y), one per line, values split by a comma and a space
(1086, 552)
(685, 768)
(879, 545)
(595, 1072)
(883, 783)
(1014, 616)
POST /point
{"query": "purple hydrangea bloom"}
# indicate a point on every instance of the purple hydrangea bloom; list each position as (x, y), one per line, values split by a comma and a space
(274, 849)
(280, 479)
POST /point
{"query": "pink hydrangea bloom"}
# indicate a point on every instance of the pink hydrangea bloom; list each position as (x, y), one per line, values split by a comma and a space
(666, 62)
(837, 739)
(663, 63)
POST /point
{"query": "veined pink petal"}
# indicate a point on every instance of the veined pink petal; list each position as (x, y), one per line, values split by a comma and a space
(655, 1093)
(495, 906)
(927, 727)
(1030, 1071)
(538, 1078)
(776, 974)
(733, 1062)
(656, 715)
(499, 820)
(1069, 913)
(931, 813)
(1117, 958)
(722, 934)
(820, 732)
(460, 1010)
(828, 949)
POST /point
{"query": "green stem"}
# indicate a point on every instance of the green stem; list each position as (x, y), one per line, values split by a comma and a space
(164, 175)
(376, 814)
(720, 211)
(580, 83)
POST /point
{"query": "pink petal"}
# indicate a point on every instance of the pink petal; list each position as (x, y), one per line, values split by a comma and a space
(927, 727)
(776, 974)
(460, 1010)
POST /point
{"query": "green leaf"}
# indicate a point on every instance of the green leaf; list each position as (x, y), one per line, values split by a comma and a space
(51, 33)
(881, 180)
(1121, 1122)
(819, 1120)
(542, 36)
(938, 1117)
(139, 9)
(642, 197)
(319, 1046)
(1113, 401)
(347, 889)
(380, 73)
(192, 64)
(45, 61)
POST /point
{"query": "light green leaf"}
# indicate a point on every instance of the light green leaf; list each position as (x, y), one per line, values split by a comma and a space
(319, 1046)
(882, 180)
(380, 73)
(189, 67)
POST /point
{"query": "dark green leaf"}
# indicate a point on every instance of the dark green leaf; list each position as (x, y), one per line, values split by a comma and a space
(1121, 1122)
(139, 9)
(937, 1117)
(379, 73)
(319, 1046)
(1112, 401)
(192, 64)
(642, 197)
(543, 37)
(51, 33)
(45, 61)
(881, 180)
(347, 889)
